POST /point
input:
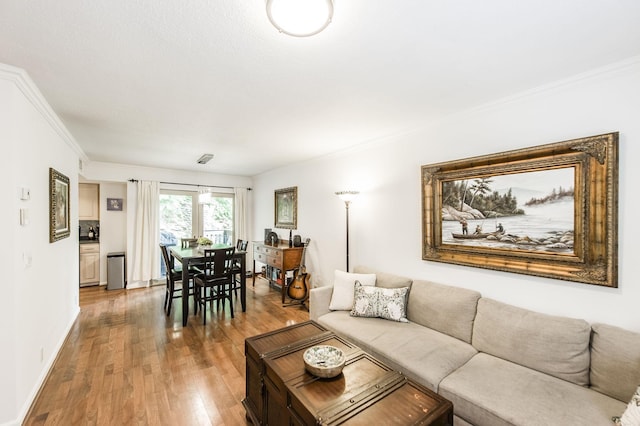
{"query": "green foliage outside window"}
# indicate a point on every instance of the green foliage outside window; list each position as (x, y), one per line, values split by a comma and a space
(176, 215)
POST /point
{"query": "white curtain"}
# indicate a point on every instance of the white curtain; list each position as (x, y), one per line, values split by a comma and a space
(240, 213)
(144, 249)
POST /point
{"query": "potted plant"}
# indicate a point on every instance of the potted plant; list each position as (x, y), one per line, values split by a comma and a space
(204, 242)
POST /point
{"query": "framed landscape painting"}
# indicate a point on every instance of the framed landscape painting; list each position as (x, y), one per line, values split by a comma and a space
(59, 219)
(548, 211)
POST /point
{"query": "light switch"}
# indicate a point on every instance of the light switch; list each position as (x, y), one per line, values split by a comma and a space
(24, 217)
(25, 194)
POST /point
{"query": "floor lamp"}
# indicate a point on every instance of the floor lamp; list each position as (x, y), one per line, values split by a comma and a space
(347, 197)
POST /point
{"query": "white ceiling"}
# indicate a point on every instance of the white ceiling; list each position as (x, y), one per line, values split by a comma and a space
(160, 82)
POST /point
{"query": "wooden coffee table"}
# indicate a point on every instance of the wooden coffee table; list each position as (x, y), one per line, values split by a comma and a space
(281, 392)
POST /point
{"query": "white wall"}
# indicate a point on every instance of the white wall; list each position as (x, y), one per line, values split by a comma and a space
(386, 217)
(8, 335)
(110, 172)
(40, 300)
(113, 224)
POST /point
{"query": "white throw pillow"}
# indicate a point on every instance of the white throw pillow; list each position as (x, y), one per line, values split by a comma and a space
(631, 416)
(343, 285)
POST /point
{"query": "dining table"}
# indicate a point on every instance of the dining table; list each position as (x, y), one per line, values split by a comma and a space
(191, 256)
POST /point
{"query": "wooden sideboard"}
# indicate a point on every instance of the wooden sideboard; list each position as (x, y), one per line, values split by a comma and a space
(279, 259)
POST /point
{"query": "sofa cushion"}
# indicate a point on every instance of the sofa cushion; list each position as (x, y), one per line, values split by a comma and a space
(385, 279)
(458, 421)
(492, 391)
(554, 345)
(448, 309)
(615, 361)
(343, 286)
(422, 354)
(378, 302)
(319, 299)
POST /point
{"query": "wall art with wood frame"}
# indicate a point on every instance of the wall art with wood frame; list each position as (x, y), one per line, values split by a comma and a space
(286, 208)
(549, 211)
(59, 215)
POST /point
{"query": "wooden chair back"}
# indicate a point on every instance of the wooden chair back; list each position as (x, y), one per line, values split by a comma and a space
(218, 263)
(188, 242)
(167, 259)
(241, 245)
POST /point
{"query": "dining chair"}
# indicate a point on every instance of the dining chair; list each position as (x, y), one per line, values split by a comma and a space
(188, 242)
(173, 275)
(196, 266)
(237, 267)
(216, 280)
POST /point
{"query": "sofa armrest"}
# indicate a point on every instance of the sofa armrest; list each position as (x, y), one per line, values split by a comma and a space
(319, 299)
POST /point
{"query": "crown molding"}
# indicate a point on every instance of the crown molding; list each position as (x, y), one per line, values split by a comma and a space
(23, 82)
(625, 65)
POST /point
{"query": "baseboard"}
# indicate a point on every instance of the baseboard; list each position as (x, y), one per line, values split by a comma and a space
(44, 375)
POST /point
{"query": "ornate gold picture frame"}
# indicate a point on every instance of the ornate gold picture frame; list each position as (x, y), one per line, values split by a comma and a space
(59, 215)
(286, 208)
(549, 211)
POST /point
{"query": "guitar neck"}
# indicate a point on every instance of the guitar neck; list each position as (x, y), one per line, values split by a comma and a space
(303, 268)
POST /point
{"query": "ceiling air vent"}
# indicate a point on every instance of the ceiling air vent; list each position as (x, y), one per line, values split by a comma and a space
(205, 158)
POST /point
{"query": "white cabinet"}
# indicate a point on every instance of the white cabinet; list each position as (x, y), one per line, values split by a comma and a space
(88, 201)
(89, 264)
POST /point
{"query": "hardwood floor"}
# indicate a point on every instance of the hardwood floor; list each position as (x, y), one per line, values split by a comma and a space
(126, 362)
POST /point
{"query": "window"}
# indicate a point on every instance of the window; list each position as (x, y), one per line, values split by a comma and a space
(217, 219)
(182, 217)
(177, 219)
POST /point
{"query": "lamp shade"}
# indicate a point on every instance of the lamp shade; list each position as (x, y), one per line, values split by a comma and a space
(300, 18)
(204, 197)
(347, 196)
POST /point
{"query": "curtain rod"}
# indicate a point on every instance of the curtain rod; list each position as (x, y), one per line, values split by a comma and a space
(193, 184)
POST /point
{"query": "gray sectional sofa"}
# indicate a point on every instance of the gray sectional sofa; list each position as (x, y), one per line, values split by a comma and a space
(498, 364)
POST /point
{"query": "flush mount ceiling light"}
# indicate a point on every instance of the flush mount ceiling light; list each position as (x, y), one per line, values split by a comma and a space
(300, 18)
(205, 158)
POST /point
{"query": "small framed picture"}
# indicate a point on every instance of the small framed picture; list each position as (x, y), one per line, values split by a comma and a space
(114, 204)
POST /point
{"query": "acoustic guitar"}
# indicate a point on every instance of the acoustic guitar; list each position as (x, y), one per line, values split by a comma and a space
(299, 287)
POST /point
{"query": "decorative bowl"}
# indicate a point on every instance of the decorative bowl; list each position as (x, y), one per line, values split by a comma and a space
(324, 361)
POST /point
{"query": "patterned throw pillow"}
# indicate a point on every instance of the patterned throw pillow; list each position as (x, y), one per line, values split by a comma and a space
(631, 416)
(378, 302)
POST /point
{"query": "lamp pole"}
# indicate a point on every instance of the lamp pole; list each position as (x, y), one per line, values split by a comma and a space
(346, 205)
(347, 196)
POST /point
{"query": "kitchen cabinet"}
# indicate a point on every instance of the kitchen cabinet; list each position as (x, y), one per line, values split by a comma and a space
(88, 201)
(89, 264)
